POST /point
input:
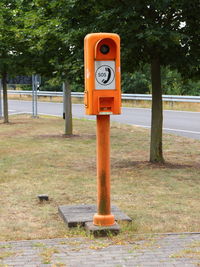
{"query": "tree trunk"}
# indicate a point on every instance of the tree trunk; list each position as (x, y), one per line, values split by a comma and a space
(67, 108)
(5, 97)
(156, 153)
(1, 114)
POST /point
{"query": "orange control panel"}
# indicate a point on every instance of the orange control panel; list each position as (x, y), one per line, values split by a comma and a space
(102, 74)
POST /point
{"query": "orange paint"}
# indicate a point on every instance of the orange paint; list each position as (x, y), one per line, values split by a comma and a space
(102, 98)
(103, 216)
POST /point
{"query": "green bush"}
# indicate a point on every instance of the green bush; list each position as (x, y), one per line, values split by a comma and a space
(135, 83)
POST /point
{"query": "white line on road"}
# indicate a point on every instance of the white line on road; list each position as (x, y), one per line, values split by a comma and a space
(169, 129)
(182, 131)
(144, 126)
(131, 108)
(46, 114)
(16, 113)
(165, 129)
(164, 110)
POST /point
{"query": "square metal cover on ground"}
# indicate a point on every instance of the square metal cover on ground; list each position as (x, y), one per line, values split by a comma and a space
(74, 215)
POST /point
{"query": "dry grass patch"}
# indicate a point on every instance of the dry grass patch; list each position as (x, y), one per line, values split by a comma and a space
(36, 159)
(192, 252)
(47, 255)
(6, 254)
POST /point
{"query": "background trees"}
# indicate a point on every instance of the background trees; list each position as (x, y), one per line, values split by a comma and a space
(158, 33)
(159, 41)
(14, 56)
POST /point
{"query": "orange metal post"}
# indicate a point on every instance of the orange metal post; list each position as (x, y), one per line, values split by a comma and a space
(103, 216)
(102, 98)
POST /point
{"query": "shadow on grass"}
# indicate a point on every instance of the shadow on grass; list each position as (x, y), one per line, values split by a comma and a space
(10, 123)
(147, 164)
(82, 136)
(55, 136)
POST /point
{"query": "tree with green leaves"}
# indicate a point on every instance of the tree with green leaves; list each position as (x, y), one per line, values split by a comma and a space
(56, 51)
(13, 46)
(160, 33)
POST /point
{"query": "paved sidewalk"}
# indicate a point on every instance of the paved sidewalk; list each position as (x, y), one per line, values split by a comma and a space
(157, 250)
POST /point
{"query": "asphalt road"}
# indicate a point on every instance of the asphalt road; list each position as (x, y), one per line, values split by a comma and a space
(177, 122)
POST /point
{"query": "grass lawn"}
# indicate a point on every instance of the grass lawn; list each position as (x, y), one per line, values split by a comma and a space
(36, 159)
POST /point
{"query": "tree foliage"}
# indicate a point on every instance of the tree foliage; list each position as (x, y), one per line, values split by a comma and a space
(13, 45)
(147, 29)
(160, 33)
(164, 33)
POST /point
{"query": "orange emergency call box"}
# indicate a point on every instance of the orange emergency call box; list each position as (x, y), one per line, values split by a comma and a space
(102, 74)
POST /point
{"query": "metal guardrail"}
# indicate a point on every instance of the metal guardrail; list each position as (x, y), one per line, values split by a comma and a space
(44, 93)
(167, 98)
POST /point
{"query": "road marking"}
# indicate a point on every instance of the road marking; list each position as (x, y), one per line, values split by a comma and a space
(170, 110)
(168, 129)
(131, 108)
(183, 131)
(47, 114)
(16, 113)
(144, 126)
(136, 125)
(165, 110)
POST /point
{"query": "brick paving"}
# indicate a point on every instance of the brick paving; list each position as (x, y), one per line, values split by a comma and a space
(155, 250)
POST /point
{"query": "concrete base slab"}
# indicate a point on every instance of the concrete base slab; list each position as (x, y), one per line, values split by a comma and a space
(102, 230)
(74, 215)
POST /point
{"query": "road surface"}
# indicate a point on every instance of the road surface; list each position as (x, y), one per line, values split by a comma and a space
(177, 122)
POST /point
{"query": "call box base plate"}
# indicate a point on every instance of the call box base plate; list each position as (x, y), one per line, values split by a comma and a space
(74, 215)
(98, 231)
